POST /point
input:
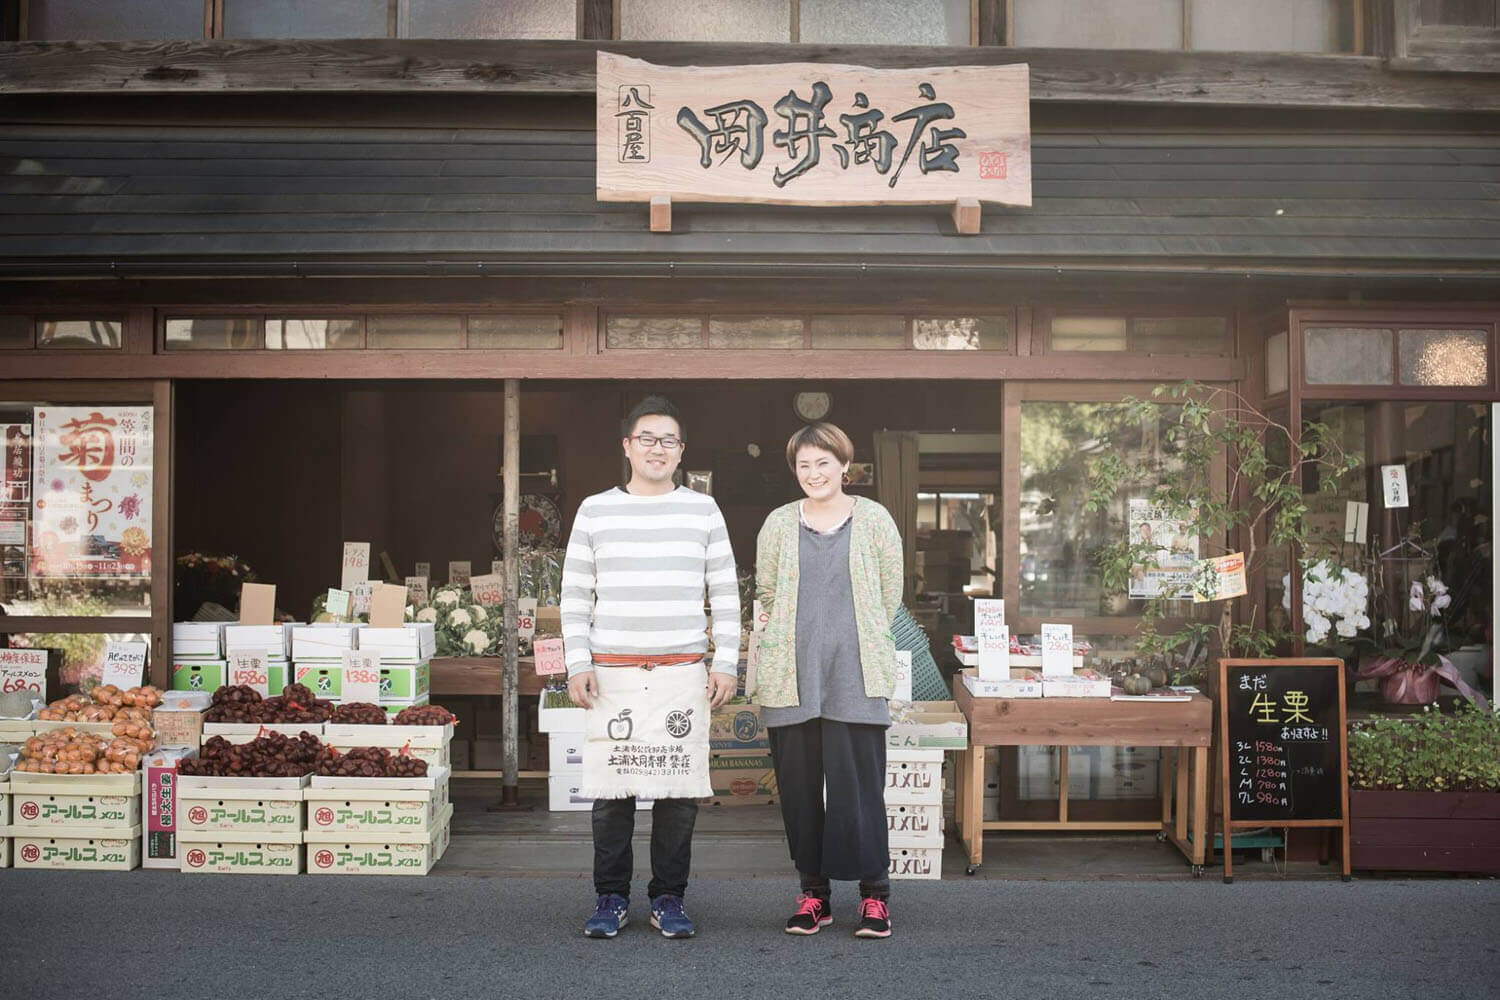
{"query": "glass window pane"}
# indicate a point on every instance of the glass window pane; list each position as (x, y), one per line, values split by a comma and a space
(1445, 357)
(425, 332)
(1348, 356)
(1266, 25)
(230, 333)
(1088, 333)
(487, 19)
(961, 333)
(312, 334)
(859, 332)
(15, 332)
(692, 21)
(75, 509)
(83, 334)
(300, 19)
(1060, 540)
(1277, 373)
(886, 22)
(73, 657)
(653, 332)
(542, 333)
(1088, 24)
(117, 20)
(750, 332)
(1180, 335)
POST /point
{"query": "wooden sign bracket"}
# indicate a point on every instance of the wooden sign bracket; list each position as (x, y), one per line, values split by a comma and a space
(966, 213)
(661, 213)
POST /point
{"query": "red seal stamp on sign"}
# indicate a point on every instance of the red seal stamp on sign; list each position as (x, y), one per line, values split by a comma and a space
(323, 817)
(323, 859)
(992, 166)
(30, 810)
(31, 853)
(197, 815)
(196, 858)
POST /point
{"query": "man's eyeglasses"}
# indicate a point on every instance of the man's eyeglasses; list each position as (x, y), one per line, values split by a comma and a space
(651, 441)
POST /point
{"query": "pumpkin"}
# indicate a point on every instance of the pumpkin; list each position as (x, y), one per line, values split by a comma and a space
(1137, 684)
(1156, 673)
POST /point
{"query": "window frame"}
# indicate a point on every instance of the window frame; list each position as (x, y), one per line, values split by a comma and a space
(1395, 319)
(362, 314)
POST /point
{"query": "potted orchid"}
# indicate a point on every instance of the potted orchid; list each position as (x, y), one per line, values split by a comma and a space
(1335, 605)
(1414, 637)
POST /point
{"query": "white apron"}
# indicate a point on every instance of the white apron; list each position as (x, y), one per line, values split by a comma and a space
(647, 734)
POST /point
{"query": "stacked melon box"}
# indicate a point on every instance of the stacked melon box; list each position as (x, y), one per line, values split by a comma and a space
(919, 736)
(406, 653)
(318, 656)
(378, 826)
(198, 656)
(232, 826)
(274, 640)
(89, 821)
(5, 765)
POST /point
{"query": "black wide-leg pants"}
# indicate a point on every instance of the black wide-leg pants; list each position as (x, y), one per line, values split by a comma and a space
(847, 838)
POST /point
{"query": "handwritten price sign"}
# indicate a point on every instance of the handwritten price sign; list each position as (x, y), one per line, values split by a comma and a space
(356, 564)
(248, 667)
(489, 590)
(550, 658)
(24, 670)
(361, 676)
(338, 602)
(124, 664)
(526, 617)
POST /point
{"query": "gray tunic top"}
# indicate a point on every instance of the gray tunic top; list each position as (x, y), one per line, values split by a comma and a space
(830, 683)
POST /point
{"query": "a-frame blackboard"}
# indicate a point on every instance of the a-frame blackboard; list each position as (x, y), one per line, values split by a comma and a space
(1285, 754)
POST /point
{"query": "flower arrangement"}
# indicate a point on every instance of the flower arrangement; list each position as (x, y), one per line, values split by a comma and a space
(1335, 600)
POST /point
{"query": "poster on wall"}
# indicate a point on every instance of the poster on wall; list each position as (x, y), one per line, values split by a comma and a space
(1171, 553)
(15, 497)
(91, 491)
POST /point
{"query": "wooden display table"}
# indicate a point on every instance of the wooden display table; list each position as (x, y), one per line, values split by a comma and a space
(480, 675)
(1099, 722)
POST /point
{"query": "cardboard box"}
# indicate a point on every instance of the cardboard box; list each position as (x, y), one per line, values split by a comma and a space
(85, 804)
(404, 683)
(1022, 684)
(395, 807)
(376, 853)
(930, 725)
(179, 718)
(411, 642)
(914, 778)
(246, 732)
(395, 709)
(916, 862)
(18, 730)
(323, 641)
(198, 640)
(221, 853)
(565, 752)
(199, 675)
(89, 848)
(560, 720)
(911, 824)
(324, 680)
(276, 639)
(742, 778)
(269, 814)
(429, 743)
(738, 727)
(159, 806)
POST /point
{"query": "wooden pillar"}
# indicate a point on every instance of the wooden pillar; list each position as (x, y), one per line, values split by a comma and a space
(510, 710)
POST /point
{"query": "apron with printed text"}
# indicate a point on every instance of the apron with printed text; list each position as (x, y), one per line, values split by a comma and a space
(647, 734)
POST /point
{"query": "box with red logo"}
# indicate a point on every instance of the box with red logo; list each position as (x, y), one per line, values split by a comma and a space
(4, 812)
(159, 803)
(79, 847)
(346, 852)
(396, 807)
(240, 809)
(246, 732)
(57, 801)
(235, 853)
(429, 743)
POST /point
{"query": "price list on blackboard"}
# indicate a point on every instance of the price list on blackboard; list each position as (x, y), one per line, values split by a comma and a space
(1284, 743)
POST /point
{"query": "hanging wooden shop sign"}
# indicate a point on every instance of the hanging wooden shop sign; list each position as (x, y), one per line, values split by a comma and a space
(813, 134)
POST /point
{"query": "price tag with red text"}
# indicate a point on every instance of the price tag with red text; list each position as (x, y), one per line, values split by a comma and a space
(489, 590)
(24, 670)
(248, 668)
(356, 565)
(526, 617)
(459, 571)
(124, 664)
(361, 676)
(549, 657)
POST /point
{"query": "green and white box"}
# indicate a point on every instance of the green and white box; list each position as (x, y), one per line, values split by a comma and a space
(405, 683)
(377, 853)
(235, 853)
(96, 801)
(79, 847)
(429, 743)
(268, 809)
(397, 807)
(323, 679)
(199, 675)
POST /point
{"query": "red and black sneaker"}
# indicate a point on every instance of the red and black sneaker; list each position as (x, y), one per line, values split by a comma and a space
(874, 919)
(812, 915)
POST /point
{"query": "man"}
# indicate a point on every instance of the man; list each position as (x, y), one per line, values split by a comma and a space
(635, 634)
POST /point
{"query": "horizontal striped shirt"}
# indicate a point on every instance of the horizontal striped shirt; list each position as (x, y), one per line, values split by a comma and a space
(635, 575)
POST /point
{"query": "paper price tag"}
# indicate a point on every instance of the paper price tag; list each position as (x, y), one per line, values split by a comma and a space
(248, 667)
(459, 572)
(550, 658)
(356, 565)
(124, 664)
(1057, 650)
(362, 594)
(1393, 481)
(993, 638)
(361, 676)
(338, 602)
(416, 589)
(424, 570)
(489, 590)
(526, 617)
(24, 670)
(903, 676)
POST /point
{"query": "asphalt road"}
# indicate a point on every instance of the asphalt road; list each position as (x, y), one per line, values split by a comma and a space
(163, 935)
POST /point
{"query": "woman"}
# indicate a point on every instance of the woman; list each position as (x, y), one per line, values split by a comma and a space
(829, 575)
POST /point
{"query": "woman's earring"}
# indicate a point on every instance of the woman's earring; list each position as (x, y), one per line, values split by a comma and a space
(845, 477)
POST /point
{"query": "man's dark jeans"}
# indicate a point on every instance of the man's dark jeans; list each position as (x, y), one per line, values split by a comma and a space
(672, 822)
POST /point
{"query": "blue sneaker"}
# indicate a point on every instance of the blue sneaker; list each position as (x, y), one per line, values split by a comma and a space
(610, 914)
(668, 916)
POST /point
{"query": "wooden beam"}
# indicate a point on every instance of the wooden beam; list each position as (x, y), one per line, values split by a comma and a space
(393, 66)
(661, 213)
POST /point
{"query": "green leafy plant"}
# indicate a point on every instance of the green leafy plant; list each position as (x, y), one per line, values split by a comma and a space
(1230, 476)
(1427, 752)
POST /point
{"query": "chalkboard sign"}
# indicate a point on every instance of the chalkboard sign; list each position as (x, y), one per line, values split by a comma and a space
(1283, 735)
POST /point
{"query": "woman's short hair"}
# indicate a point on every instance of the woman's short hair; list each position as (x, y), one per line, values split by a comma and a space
(822, 435)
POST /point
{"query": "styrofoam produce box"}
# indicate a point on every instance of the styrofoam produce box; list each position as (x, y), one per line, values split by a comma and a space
(429, 743)
(275, 640)
(395, 806)
(18, 730)
(565, 752)
(345, 852)
(198, 640)
(199, 675)
(561, 720)
(914, 776)
(246, 732)
(563, 795)
(101, 849)
(914, 824)
(323, 641)
(916, 862)
(411, 642)
(928, 725)
(323, 679)
(404, 683)
(86, 800)
(239, 853)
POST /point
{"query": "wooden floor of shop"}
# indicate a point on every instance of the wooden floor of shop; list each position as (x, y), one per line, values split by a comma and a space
(748, 841)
